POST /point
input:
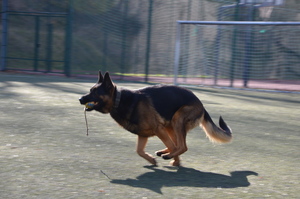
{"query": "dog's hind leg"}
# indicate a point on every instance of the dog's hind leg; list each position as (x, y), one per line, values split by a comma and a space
(180, 147)
(182, 121)
(140, 149)
(171, 134)
(185, 119)
(169, 139)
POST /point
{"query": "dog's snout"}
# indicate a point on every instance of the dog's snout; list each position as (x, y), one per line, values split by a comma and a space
(81, 100)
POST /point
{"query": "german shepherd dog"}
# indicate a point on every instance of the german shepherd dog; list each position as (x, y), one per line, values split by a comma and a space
(165, 111)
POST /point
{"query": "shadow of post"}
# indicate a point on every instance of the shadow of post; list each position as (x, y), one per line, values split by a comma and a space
(156, 179)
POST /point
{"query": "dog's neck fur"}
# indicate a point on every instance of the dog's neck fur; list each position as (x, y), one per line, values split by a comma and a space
(118, 97)
(123, 113)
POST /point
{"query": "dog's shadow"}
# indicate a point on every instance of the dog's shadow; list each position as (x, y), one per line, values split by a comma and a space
(157, 178)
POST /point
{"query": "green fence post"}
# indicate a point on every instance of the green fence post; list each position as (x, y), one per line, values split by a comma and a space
(4, 35)
(68, 40)
(186, 45)
(49, 47)
(104, 50)
(234, 52)
(248, 46)
(148, 40)
(36, 43)
(124, 38)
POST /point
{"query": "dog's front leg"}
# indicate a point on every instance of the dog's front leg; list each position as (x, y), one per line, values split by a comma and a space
(140, 149)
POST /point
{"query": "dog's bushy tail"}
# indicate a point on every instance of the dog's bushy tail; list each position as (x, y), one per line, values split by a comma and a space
(217, 134)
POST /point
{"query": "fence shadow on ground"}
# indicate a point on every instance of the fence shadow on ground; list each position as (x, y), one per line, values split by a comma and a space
(186, 177)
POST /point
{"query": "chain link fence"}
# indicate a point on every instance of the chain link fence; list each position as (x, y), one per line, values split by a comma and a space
(126, 37)
(261, 52)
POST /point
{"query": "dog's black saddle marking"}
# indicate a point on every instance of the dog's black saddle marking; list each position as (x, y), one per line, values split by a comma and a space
(168, 99)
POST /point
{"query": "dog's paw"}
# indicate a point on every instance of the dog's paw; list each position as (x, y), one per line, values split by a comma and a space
(166, 157)
(161, 152)
(175, 163)
(153, 162)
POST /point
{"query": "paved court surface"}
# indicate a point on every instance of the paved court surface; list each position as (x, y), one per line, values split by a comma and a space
(44, 152)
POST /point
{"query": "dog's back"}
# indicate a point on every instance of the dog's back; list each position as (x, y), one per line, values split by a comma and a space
(168, 99)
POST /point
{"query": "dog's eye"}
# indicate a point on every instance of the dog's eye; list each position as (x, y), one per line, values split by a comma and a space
(94, 92)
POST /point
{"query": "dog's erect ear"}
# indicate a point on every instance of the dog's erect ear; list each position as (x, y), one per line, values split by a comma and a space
(107, 81)
(100, 77)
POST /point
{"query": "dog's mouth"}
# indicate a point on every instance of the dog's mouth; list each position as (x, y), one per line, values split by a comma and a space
(90, 106)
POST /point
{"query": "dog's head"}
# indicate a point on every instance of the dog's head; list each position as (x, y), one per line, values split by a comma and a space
(101, 95)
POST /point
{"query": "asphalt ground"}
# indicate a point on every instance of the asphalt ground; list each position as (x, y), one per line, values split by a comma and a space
(45, 153)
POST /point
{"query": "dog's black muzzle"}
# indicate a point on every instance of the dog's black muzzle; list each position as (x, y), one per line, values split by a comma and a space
(82, 100)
